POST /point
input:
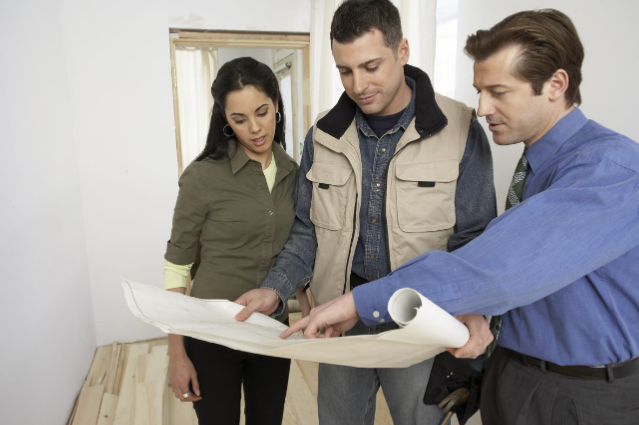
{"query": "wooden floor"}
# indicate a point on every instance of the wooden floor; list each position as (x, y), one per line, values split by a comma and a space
(127, 385)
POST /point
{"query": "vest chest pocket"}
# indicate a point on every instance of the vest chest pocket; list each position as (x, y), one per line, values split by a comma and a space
(330, 194)
(426, 195)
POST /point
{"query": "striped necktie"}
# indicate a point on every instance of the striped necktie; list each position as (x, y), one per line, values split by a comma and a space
(514, 197)
(517, 185)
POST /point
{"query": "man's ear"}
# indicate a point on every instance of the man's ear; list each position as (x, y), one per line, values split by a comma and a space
(558, 84)
(403, 52)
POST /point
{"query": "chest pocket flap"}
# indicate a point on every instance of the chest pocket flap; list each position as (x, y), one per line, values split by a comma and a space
(332, 174)
(330, 193)
(443, 171)
(426, 195)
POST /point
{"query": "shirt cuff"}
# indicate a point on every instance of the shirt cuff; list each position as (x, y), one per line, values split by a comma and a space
(178, 255)
(371, 302)
(175, 275)
(277, 282)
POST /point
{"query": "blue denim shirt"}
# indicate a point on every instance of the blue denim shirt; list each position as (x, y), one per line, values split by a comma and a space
(475, 204)
(561, 266)
(371, 259)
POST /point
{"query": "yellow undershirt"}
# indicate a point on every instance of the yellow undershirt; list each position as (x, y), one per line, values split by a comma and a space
(175, 275)
(270, 173)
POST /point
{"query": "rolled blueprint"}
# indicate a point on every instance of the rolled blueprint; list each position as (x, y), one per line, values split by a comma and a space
(420, 317)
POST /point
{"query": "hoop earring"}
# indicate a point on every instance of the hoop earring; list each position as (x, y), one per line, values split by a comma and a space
(278, 117)
(225, 133)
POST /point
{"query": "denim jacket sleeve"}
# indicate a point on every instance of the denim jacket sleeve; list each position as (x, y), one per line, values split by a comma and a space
(294, 265)
(475, 201)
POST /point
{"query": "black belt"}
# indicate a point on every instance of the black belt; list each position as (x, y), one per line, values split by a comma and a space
(608, 372)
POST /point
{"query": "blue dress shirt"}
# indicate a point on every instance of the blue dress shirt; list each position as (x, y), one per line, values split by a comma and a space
(562, 266)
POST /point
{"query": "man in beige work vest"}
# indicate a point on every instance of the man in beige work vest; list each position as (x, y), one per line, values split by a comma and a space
(392, 171)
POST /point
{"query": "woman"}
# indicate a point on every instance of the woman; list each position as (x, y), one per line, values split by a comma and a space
(236, 198)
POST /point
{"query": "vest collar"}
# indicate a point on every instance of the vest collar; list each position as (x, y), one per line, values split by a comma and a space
(429, 118)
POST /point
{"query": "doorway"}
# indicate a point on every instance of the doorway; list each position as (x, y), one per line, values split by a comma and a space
(196, 56)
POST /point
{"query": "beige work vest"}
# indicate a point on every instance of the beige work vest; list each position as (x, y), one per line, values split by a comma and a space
(419, 218)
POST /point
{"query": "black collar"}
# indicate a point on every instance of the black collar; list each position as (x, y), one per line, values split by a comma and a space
(429, 119)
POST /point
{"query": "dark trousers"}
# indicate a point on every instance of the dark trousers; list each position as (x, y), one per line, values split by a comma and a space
(515, 394)
(221, 373)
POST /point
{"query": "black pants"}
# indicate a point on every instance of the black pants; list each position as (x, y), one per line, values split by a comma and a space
(515, 394)
(221, 372)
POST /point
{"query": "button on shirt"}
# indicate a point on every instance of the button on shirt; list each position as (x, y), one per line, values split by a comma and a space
(371, 259)
(562, 265)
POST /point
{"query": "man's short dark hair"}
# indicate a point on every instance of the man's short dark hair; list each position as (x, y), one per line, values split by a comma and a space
(354, 18)
(549, 42)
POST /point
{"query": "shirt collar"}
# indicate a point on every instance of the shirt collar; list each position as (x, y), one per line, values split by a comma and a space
(545, 148)
(404, 120)
(285, 163)
(239, 158)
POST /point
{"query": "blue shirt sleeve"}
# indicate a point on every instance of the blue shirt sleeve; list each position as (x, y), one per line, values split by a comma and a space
(294, 265)
(586, 218)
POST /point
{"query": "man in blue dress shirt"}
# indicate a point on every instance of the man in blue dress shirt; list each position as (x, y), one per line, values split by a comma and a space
(561, 265)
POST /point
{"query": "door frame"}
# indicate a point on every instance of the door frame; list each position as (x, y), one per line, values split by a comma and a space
(266, 40)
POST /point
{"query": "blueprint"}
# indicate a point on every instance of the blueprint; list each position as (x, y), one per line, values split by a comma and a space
(425, 329)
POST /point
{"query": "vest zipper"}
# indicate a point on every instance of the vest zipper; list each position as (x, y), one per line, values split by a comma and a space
(384, 222)
(350, 249)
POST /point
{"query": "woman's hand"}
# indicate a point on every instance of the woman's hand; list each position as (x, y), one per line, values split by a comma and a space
(181, 371)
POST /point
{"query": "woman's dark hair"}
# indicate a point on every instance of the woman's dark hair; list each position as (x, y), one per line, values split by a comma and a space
(235, 75)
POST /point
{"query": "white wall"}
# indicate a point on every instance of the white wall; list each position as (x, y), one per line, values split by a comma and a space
(227, 54)
(119, 71)
(48, 336)
(609, 90)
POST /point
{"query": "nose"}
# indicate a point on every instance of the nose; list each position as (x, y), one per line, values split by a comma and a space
(360, 83)
(254, 126)
(485, 107)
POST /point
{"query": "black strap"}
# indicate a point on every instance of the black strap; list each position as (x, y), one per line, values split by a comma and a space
(357, 280)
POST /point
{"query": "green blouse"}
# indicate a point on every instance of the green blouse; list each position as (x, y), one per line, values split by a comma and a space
(242, 227)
